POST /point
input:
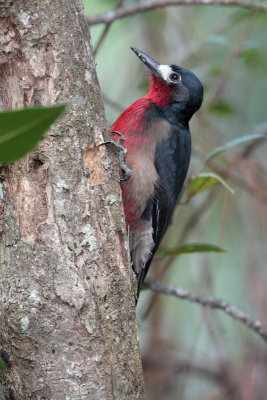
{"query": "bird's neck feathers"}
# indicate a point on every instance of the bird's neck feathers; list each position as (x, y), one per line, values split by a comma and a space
(159, 92)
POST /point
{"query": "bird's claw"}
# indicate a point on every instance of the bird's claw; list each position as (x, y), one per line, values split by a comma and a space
(126, 171)
(126, 174)
(121, 137)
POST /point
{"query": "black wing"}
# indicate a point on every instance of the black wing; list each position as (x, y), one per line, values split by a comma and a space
(172, 158)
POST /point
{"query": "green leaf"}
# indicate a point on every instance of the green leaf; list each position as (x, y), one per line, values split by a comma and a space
(203, 181)
(21, 130)
(234, 143)
(2, 364)
(191, 248)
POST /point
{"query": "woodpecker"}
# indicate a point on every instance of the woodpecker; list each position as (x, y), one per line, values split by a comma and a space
(158, 143)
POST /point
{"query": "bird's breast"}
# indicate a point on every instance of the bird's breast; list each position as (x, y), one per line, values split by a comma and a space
(144, 181)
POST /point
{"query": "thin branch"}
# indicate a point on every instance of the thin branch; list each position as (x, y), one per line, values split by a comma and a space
(117, 106)
(251, 147)
(113, 15)
(102, 37)
(209, 301)
(106, 29)
(196, 215)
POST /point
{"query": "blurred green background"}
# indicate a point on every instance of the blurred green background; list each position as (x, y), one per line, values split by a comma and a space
(190, 352)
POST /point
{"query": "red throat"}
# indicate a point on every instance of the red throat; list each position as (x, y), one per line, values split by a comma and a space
(159, 92)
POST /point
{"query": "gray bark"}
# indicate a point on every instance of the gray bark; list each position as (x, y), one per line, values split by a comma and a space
(67, 289)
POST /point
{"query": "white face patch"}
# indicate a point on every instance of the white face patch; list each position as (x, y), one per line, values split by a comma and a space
(165, 71)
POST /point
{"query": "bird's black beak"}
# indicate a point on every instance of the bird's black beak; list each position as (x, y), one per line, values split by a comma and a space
(151, 64)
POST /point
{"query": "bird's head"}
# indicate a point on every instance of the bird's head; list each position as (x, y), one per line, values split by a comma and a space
(173, 85)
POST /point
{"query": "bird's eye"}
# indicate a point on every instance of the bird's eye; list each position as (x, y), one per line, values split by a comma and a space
(175, 77)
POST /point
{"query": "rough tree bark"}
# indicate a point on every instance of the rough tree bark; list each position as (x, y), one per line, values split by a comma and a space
(67, 289)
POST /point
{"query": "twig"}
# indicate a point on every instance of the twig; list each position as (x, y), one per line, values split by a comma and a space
(242, 180)
(113, 15)
(106, 29)
(211, 302)
(251, 147)
(113, 103)
(196, 215)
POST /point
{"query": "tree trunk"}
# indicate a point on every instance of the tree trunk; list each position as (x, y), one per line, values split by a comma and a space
(67, 289)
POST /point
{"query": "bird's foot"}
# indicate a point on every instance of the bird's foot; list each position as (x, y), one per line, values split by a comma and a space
(126, 171)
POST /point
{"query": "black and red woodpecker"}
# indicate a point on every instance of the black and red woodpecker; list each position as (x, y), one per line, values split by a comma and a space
(158, 143)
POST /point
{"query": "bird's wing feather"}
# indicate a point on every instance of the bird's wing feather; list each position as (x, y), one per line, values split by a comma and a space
(172, 158)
